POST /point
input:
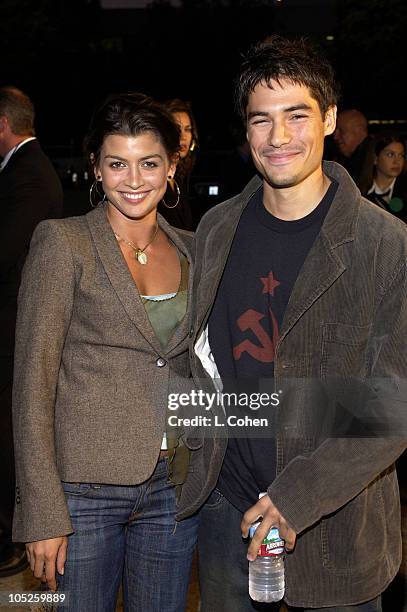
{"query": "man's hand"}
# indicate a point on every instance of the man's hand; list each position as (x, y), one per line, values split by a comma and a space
(45, 556)
(271, 518)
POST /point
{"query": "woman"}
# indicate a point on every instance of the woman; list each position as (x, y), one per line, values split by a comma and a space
(100, 339)
(175, 207)
(388, 180)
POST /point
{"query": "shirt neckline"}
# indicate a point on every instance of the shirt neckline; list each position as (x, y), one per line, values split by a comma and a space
(298, 225)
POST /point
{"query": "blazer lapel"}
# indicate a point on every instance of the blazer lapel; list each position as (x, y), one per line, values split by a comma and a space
(119, 274)
(216, 253)
(323, 264)
(320, 270)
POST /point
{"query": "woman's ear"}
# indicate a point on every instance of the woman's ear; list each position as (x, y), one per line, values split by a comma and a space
(96, 169)
(173, 166)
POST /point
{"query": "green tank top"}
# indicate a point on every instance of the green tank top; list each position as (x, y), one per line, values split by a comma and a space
(165, 313)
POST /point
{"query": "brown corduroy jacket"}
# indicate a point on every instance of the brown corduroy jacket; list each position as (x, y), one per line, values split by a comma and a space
(91, 378)
(346, 323)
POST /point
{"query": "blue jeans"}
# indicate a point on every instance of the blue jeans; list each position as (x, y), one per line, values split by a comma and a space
(224, 569)
(127, 533)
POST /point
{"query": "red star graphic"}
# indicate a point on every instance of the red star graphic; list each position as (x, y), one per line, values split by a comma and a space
(269, 283)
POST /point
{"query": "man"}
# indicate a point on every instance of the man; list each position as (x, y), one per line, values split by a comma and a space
(352, 139)
(300, 280)
(30, 191)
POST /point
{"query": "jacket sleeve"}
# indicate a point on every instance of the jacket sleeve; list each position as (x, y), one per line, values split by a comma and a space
(44, 311)
(311, 487)
(31, 203)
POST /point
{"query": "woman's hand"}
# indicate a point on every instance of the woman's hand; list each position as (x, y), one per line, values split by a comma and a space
(44, 556)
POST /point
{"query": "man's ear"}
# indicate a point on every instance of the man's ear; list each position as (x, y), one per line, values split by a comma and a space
(3, 123)
(330, 120)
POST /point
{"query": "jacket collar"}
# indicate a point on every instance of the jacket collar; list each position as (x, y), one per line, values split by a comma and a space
(341, 221)
(122, 280)
(29, 144)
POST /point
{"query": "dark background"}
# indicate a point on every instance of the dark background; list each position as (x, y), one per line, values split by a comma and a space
(68, 54)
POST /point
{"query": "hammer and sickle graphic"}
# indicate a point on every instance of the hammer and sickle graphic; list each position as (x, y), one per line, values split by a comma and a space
(265, 352)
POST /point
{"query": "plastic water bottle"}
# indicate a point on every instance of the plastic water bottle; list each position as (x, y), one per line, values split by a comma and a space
(266, 572)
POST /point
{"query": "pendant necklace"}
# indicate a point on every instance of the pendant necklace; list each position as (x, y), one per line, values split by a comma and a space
(139, 254)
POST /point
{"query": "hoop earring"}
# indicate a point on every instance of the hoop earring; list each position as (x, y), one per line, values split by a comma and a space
(94, 190)
(178, 196)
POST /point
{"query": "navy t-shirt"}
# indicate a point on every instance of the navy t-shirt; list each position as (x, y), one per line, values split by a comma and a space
(266, 257)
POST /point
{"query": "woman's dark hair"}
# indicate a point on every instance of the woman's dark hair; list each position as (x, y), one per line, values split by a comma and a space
(184, 166)
(131, 114)
(381, 141)
(181, 106)
(277, 58)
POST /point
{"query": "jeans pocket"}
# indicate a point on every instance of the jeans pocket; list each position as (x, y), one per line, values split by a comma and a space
(77, 489)
(214, 500)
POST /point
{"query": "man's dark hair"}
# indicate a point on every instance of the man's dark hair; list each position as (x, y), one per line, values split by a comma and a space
(19, 110)
(277, 58)
(131, 114)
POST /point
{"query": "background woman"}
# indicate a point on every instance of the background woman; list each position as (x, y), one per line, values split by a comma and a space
(177, 208)
(388, 180)
(100, 338)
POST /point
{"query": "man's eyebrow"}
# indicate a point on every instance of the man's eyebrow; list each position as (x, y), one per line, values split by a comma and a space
(296, 107)
(256, 114)
(288, 109)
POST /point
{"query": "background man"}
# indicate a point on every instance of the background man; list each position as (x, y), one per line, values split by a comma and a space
(352, 139)
(30, 191)
(300, 279)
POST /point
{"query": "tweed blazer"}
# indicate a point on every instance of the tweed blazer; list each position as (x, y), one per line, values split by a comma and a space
(91, 378)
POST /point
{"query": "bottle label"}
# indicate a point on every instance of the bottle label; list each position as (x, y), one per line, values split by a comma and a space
(272, 544)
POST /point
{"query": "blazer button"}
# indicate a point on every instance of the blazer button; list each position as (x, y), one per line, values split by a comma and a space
(18, 499)
(18, 490)
(160, 363)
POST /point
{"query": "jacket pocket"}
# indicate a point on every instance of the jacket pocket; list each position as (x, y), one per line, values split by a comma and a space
(344, 350)
(77, 489)
(354, 537)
